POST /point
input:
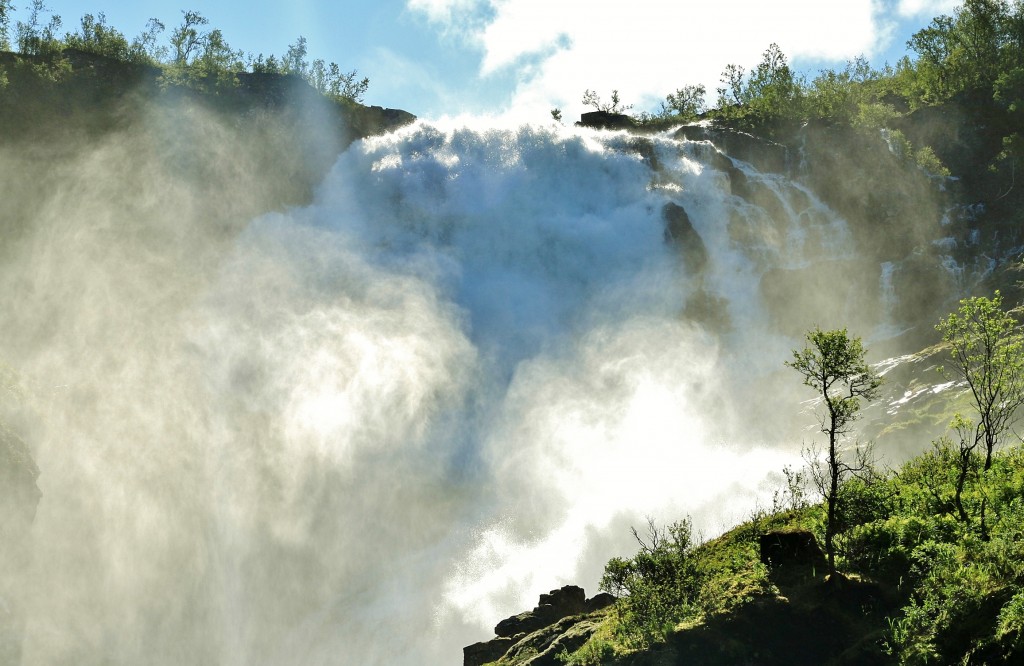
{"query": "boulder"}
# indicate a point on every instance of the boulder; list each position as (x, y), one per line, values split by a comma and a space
(606, 120)
(484, 652)
(598, 602)
(797, 549)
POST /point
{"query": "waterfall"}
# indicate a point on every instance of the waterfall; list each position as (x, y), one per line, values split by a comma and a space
(364, 430)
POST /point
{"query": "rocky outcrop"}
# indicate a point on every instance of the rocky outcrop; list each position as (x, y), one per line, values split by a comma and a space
(553, 606)
(606, 120)
(562, 620)
(765, 155)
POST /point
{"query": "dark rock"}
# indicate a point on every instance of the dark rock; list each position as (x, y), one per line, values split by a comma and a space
(788, 549)
(598, 601)
(569, 599)
(566, 635)
(553, 606)
(763, 154)
(739, 184)
(606, 120)
(484, 652)
(680, 232)
(557, 623)
(526, 622)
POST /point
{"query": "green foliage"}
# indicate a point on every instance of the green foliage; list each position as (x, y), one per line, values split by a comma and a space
(931, 164)
(329, 80)
(1010, 627)
(5, 24)
(987, 352)
(202, 60)
(875, 116)
(794, 496)
(36, 38)
(686, 103)
(95, 36)
(194, 56)
(968, 52)
(326, 78)
(838, 96)
(594, 652)
(832, 363)
(956, 592)
(294, 60)
(657, 587)
(186, 38)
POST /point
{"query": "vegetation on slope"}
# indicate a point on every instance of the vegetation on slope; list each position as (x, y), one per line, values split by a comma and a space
(972, 59)
(929, 556)
(192, 55)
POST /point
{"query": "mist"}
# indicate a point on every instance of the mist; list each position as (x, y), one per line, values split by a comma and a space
(365, 427)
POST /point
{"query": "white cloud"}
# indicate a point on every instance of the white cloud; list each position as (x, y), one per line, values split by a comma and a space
(442, 10)
(916, 8)
(648, 48)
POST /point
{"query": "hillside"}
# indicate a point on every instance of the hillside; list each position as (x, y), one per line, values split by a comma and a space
(917, 587)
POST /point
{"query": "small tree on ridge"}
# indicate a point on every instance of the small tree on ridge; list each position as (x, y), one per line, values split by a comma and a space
(832, 363)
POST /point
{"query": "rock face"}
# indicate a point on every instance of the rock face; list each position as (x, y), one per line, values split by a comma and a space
(553, 606)
(679, 231)
(763, 154)
(562, 620)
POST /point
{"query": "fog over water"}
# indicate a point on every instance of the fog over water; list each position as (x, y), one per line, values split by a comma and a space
(365, 430)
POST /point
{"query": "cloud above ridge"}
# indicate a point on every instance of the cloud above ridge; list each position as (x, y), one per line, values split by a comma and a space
(649, 48)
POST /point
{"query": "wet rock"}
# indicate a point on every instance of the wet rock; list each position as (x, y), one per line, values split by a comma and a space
(763, 154)
(679, 231)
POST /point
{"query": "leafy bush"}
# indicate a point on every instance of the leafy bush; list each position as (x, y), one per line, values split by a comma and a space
(657, 587)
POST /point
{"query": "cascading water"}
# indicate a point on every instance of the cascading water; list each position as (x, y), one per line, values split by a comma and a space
(373, 426)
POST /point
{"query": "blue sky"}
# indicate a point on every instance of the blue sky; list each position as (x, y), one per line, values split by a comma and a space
(521, 58)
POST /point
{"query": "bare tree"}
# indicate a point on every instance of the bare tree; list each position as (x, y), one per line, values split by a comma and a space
(591, 98)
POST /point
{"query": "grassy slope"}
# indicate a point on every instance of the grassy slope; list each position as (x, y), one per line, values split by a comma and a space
(917, 585)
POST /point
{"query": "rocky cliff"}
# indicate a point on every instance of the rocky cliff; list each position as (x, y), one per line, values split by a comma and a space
(562, 621)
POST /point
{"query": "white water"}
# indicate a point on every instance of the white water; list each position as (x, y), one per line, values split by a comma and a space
(384, 422)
